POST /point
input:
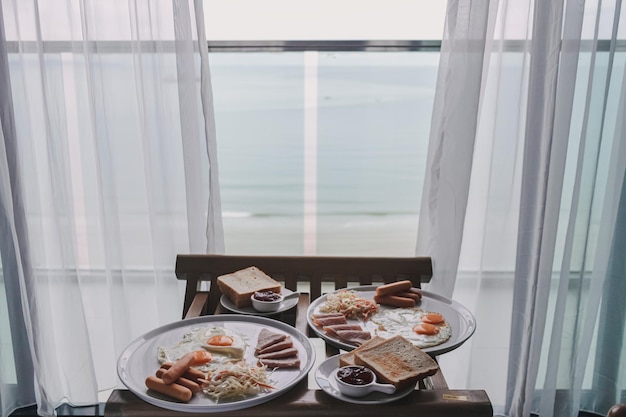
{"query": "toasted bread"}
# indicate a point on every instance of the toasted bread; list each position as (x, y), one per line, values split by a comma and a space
(397, 361)
(348, 358)
(240, 285)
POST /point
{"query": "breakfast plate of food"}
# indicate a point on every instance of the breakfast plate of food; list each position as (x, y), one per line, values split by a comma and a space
(349, 317)
(392, 367)
(215, 363)
(239, 287)
(325, 380)
(289, 302)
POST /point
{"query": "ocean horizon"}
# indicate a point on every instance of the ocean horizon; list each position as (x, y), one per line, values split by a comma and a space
(373, 115)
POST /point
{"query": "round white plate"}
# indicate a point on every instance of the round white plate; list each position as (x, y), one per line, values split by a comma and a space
(324, 378)
(459, 318)
(284, 306)
(139, 360)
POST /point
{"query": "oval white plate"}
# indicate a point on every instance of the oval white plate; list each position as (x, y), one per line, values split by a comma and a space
(460, 319)
(284, 306)
(324, 378)
(139, 360)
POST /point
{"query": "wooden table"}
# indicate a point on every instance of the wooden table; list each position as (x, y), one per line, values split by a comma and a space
(432, 398)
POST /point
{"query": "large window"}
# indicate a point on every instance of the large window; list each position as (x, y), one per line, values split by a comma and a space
(322, 144)
(322, 152)
(322, 112)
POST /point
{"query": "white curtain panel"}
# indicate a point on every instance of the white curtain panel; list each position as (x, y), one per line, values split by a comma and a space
(532, 242)
(16, 366)
(108, 170)
(453, 131)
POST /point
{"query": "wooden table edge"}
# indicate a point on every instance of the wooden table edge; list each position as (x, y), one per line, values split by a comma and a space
(303, 402)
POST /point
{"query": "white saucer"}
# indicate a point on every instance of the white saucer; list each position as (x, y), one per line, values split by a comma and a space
(324, 378)
(285, 305)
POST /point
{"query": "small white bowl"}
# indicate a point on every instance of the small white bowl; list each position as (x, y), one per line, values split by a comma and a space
(266, 306)
(360, 385)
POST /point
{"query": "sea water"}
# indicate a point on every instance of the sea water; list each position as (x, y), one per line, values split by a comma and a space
(372, 114)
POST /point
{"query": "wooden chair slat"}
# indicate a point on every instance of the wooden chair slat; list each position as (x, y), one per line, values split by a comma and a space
(311, 271)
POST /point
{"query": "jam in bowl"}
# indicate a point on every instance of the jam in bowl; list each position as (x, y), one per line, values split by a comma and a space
(357, 381)
(266, 296)
(266, 301)
(355, 375)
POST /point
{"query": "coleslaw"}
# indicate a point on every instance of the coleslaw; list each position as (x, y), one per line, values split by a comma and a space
(236, 380)
(349, 304)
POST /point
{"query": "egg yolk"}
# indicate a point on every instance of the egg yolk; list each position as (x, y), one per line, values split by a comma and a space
(432, 318)
(220, 340)
(200, 357)
(426, 328)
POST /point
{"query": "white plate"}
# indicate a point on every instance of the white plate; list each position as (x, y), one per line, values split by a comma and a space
(324, 378)
(284, 306)
(139, 360)
(460, 319)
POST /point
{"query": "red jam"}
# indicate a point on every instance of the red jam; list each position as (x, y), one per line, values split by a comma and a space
(355, 375)
(266, 296)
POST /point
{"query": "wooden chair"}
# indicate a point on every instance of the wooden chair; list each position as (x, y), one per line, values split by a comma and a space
(314, 271)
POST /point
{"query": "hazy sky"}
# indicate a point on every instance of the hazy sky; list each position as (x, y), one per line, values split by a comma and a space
(231, 19)
(270, 19)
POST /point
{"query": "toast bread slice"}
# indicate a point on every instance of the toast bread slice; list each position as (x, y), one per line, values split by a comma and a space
(348, 358)
(397, 361)
(240, 285)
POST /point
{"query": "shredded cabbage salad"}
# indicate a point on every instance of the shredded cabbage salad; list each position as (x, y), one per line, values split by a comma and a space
(236, 380)
(349, 304)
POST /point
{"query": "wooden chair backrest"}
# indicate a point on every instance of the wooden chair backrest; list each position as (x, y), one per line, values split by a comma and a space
(337, 271)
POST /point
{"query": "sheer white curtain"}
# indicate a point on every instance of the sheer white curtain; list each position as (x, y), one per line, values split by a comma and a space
(533, 240)
(108, 170)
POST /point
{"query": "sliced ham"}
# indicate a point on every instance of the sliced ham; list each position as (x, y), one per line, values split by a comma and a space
(276, 350)
(330, 320)
(332, 329)
(292, 362)
(267, 338)
(284, 353)
(284, 344)
(324, 315)
(357, 337)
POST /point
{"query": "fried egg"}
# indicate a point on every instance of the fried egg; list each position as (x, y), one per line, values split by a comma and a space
(223, 344)
(423, 328)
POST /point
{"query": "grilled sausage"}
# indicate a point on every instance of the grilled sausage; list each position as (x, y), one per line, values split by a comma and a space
(394, 300)
(185, 382)
(394, 287)
(175, 391)
(191, 373)
(178, 368)
(409, 294)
